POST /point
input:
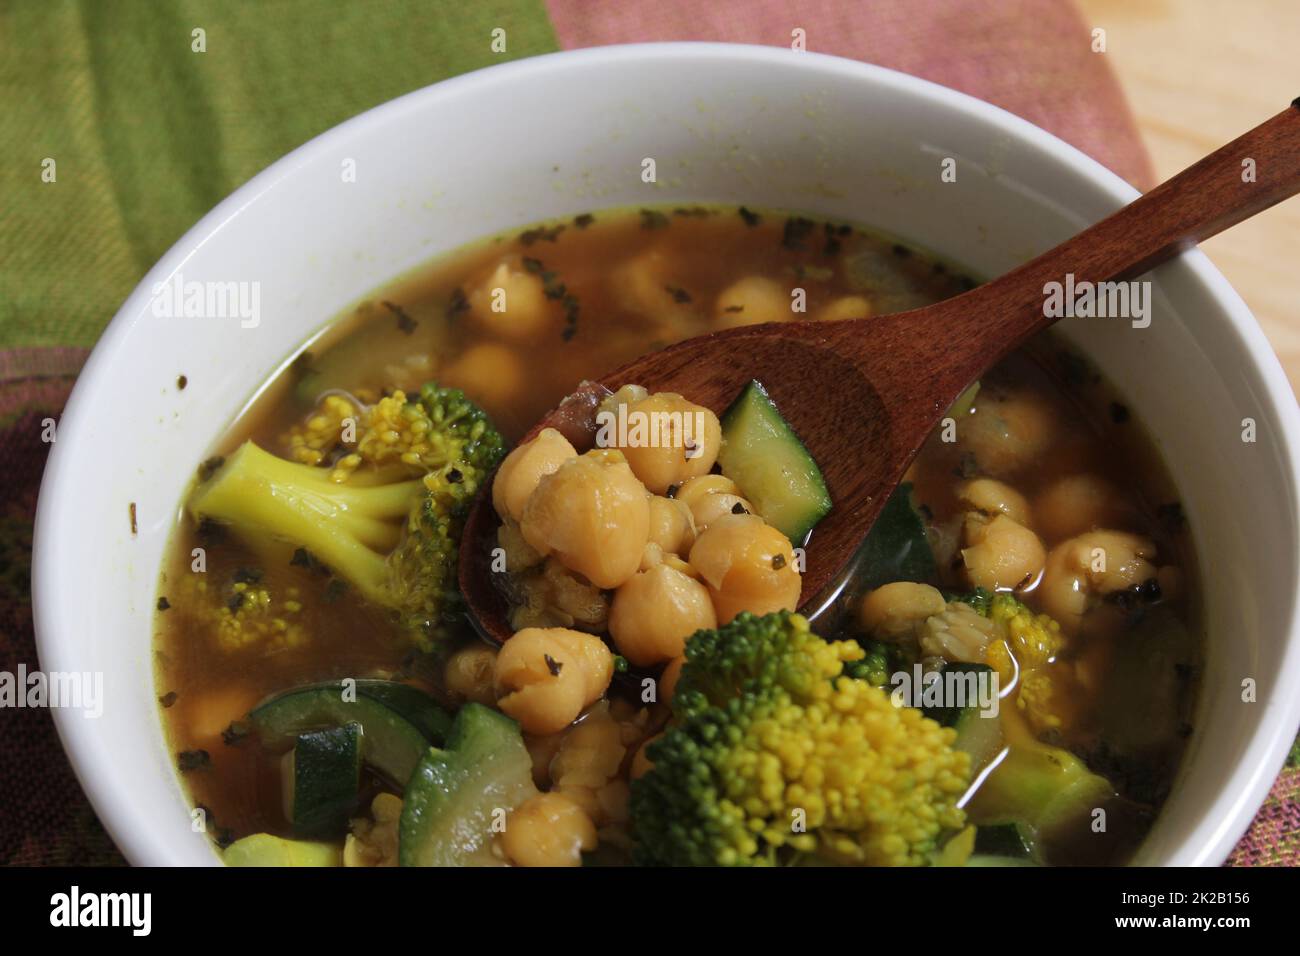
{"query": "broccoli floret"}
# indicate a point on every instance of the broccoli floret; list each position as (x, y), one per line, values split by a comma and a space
(880, 661)
(979, 599)
(1029, 648)
(439, 428)
(875, 665)
(386, 517)
(775, 756)
(240, 611)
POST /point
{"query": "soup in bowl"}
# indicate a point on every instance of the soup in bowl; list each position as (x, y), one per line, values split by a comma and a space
(291, 677)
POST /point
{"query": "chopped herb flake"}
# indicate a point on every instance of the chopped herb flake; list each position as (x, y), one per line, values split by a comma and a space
(796, 231)
(540, 234)
(653, 219)
(247, 575)
(210, 467)
(457, 305)
(235, 733)
(189, 760)
(404, 320)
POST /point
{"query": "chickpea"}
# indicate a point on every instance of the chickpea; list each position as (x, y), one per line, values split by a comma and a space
(668, 679)
(958, 633)
(992, 497)
(712, 507)
(655, 612)
(373, 841)
(682, 565)
(626, 395)
(709, 497)
(557, 597)
(896, 610)
(489, 373)
(588, 765)
(548, 829)
(747, 565)
(1092, 564)
(847, 307)
(525, 467)
(672, 527)
(664, 438)
(696, 489)
(469, 674)
(1000, 553)
(591, 753)
(593, 514)
(752, 300)
(641, 285)
(518, 554)
(1078, 503)
(1007, 433)
(512, 303)
(542, 750)
(549, 675)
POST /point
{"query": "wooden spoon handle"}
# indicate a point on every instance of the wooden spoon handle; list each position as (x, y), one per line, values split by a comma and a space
(1254, 171)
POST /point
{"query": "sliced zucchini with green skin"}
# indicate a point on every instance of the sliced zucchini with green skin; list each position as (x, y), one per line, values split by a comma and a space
(321, 779)
(1003, 840)
(765, 458)
(978, 734)
(457, 794)
(965, 403)
(398, 721)
(412, 703)
(897, 547)
(266, 849)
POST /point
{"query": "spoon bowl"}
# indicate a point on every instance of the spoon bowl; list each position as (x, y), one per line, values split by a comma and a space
(863, 394)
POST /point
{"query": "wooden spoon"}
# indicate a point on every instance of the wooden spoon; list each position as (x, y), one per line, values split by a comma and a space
(864, 394)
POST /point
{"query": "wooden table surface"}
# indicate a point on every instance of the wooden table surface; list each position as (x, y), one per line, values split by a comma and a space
(1198, 73)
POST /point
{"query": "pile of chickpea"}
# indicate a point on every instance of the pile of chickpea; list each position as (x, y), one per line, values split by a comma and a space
(671, 547)
(1072, 545)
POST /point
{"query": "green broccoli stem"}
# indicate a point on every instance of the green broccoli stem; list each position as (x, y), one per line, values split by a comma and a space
(348, 526)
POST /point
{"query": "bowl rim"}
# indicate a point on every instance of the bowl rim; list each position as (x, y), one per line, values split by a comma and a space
(1239, 796)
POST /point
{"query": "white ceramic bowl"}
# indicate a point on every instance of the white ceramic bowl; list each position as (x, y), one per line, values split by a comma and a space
(563, 134)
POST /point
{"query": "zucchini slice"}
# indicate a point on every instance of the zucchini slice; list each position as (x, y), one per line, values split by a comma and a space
(321, 780)
(457, 795)
(762, 454)
(398, 721)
